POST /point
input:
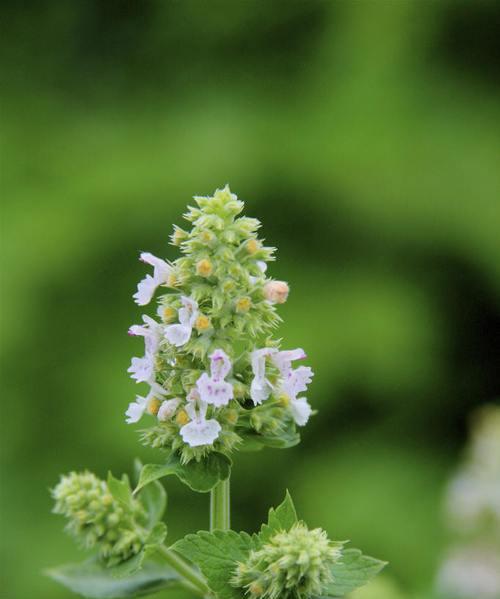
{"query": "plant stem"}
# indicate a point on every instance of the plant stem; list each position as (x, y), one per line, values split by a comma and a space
(220, 508)
(192, 579)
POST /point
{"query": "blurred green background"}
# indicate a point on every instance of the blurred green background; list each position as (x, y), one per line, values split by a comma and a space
(365, 137)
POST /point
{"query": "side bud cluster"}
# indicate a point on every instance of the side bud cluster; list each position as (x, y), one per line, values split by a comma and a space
(291, 565)
(95, 518)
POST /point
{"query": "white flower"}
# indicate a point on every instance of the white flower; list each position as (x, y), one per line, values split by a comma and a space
(137, 408)
(283, 359)
(214, 389)
(199, 431)
(293, 383)
(260, 388)
(301, 410)
(152, 332)
(167, 409)
(148, 285)
(142, 369)
(179, 334)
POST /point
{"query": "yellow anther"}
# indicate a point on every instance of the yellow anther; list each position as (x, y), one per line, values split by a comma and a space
(206, 236)
(243, 305)
(172, 280)
(202, 323)
(204, 268)
(182, 418)
(178, 236)
(252, 246)
(153, 406)
(284, 400)
(256, 589)
(168, 313)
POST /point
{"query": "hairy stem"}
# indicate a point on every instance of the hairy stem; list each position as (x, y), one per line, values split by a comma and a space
(192, 579)
(220, 507)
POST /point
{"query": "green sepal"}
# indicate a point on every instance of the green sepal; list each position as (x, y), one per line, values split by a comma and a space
(93, 580)
(120, 489)
(352, 571)
(216, 554)
(281, 518)
(200, 476)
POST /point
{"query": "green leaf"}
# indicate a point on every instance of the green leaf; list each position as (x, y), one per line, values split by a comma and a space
(216, 554)
(354, 570)
(120, 489)
(154, 498)
(92, 580)
(283, 440)
(200, 476)
(281, 518)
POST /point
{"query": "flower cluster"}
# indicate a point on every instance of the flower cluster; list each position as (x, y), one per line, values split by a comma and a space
(295, 564)
(95, 518)
(214, 372)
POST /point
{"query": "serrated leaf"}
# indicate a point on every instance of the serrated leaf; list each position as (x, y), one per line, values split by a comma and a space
(281, 518)
(92, 580)
(120, 489)
(353, 571)
(216, 554)
(200, 476)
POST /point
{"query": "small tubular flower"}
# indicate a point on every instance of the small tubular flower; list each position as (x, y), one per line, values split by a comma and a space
(260, 388)
(295, 382)
(179, 334)
(214, 389)
(276, 292)
(142, 370)
(168, 408)
(199, 431)
(147, 287)
(136, 409)
(152, 332)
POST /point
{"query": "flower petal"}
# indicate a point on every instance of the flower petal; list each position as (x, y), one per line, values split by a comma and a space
(200, 432)
(301, 410)
(215, 392)
(178, 334)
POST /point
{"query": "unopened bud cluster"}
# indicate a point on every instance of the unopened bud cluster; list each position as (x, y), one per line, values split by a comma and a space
(96, 519)
(210, 358)
(291, 565)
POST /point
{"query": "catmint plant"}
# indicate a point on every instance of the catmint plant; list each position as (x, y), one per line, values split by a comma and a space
(214, 380)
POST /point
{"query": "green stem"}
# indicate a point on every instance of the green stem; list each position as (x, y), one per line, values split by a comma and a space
(220, 508)
(191, 578)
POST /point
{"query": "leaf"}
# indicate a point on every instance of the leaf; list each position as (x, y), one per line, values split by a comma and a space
(93, 580)
(283, 440)
(120, 489)
(216, 554)
(200, 476)
(354, 570)
(281, 518)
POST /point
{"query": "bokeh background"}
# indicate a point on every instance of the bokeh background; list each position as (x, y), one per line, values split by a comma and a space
(365, 136)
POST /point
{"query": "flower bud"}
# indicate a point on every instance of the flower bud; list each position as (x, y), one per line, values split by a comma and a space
(204, 268)
(276, 292)
(202, 323)
(182, 418)
(243, 305)
(252, 246)
(95, 517)
(167, 313)
(154, 406)
(293, 564)
(178, 236)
